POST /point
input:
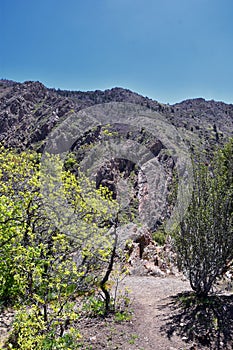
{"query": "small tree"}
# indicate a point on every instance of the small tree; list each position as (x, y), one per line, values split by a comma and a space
(44, 269)
(204, 240)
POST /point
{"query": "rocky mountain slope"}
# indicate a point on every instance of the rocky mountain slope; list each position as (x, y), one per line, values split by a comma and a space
(29, 111)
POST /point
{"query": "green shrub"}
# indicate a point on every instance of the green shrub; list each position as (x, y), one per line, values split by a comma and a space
(159, 237)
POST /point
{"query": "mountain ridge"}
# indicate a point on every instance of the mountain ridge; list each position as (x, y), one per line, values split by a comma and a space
(29, 111)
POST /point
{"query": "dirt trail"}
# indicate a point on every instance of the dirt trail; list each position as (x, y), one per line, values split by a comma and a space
(151, 297)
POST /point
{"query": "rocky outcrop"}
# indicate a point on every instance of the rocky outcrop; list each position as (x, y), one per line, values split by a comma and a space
(146, 257)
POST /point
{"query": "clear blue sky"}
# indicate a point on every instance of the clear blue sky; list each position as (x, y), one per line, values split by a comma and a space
(169, 50)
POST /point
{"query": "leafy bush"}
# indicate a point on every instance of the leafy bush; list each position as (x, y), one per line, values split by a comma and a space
(159, 237)
(44, 270)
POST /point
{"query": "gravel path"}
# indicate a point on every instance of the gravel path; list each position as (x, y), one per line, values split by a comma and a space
(151, 298)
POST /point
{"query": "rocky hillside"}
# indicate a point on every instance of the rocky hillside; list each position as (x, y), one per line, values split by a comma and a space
(29, 110)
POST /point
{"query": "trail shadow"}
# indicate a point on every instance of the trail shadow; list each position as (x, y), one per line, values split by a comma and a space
(206, 322)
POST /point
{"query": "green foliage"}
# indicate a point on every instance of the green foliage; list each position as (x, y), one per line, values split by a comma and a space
(122, 311)
(30, 331)
(94, 306)
(71, 162)
(204, 240)
(107, 131)
(50, 256)
(159, 237)
(122, 316)
(133, 338)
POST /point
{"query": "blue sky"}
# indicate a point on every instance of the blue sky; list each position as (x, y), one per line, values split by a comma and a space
(169, 50)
